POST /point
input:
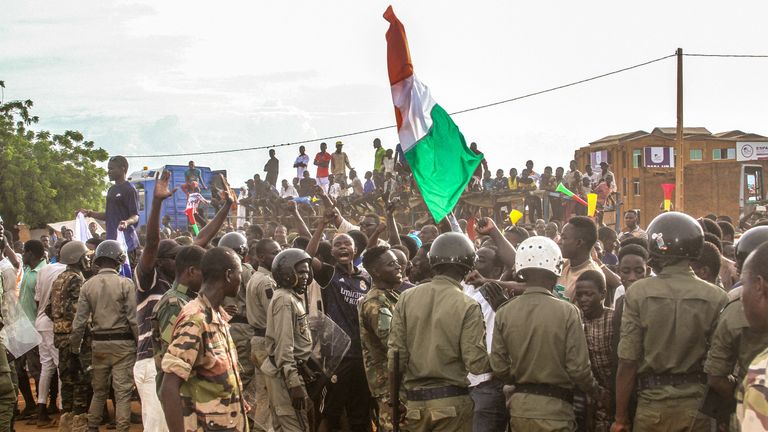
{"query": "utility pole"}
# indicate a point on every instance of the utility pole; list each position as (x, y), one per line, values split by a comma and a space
(679, 142)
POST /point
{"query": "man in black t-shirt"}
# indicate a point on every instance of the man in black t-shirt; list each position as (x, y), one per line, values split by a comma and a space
(343, 285)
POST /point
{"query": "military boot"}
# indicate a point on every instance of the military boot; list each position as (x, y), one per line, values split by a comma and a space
(65, 422)
(80, 423)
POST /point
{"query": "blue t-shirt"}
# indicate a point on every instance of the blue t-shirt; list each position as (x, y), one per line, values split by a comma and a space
(369, 187)
(341, 293)
(122, 203)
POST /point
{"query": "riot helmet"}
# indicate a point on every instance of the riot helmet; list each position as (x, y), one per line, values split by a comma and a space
(675, 235)
(452, 248)
(284, 269)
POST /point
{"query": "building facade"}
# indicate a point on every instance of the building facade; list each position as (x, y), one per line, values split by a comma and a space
(722, 172)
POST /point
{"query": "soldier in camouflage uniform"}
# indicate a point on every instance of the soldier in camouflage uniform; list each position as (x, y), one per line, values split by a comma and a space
(241, 331)
(187, 283)
(64, 295)
(376, 311)
(201, 389)
(752, 410)
(288, 342)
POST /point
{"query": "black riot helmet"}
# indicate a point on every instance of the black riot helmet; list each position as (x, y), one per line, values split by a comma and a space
(675, 235)
(748, 242)
(452, 248)
(110, 249)
(284, 269)
(235, 241)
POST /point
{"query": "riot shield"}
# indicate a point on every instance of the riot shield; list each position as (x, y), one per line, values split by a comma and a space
(18, 333)
(329, 343)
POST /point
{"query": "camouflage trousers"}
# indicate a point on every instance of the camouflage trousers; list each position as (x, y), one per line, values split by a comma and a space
(7, 392)
(385, 414)
(75, 387)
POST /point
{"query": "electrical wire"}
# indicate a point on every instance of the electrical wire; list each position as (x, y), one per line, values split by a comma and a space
(727, 55)
(327, 138)
(475, 108)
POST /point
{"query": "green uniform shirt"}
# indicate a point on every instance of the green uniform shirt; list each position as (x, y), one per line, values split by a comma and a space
(288, 337)
(734, 344)
(164, 316)
(109, 300)
(539, 339)
(258, 293)
(440, 334)
(375, 323)
(667, 324)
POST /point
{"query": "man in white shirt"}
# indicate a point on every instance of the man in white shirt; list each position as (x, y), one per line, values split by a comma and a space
(287, 190)
(487, 393)
(49, 355)
(302, 160)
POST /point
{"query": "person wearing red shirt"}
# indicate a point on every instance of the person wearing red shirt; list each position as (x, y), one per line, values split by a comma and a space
(322, 161)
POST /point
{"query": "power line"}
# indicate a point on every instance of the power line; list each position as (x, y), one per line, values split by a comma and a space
(327, 138)
(727, 55)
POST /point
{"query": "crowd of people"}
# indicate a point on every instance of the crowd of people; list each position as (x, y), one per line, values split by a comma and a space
(391, 179)
(475, 324)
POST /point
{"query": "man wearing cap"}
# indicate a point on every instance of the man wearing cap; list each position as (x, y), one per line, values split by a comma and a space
(154, 275)
(340, 162)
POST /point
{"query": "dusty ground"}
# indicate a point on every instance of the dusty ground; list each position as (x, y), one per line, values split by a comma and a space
(22, 426)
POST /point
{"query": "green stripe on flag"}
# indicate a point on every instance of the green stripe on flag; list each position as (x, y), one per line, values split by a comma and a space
(442, 164)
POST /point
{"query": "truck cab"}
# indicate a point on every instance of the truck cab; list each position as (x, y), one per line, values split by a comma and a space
(144, 182)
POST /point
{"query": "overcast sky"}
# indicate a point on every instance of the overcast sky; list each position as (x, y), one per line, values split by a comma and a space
(149, 77)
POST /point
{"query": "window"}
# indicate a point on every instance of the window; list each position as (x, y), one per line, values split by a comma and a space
(637, 158)
(636, 186)
(696, 154)
(753, 183)
(624, 187)
(723, 154)
(142, 195)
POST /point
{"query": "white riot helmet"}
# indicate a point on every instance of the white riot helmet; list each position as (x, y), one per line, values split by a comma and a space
(539, 252)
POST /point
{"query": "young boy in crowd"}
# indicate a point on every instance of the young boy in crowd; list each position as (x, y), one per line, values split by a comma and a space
(589, 295)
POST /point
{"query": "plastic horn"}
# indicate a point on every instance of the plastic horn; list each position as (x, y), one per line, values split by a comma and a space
(515, 215)
(668, 188)
(191, 219)
(564, 190)
(591, 204)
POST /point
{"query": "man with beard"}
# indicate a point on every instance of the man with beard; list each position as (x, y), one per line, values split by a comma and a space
(376, 311)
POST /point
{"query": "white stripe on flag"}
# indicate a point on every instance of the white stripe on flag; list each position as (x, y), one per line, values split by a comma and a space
(415, 103)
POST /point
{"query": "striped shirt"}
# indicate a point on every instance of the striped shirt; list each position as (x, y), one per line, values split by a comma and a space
(150, 287)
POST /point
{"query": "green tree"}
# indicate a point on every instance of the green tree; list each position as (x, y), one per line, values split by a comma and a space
(45, 177)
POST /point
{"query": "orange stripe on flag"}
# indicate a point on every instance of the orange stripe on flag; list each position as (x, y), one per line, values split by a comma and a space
(399, 63)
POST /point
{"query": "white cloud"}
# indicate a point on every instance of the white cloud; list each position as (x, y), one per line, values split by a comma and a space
(196, 76)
